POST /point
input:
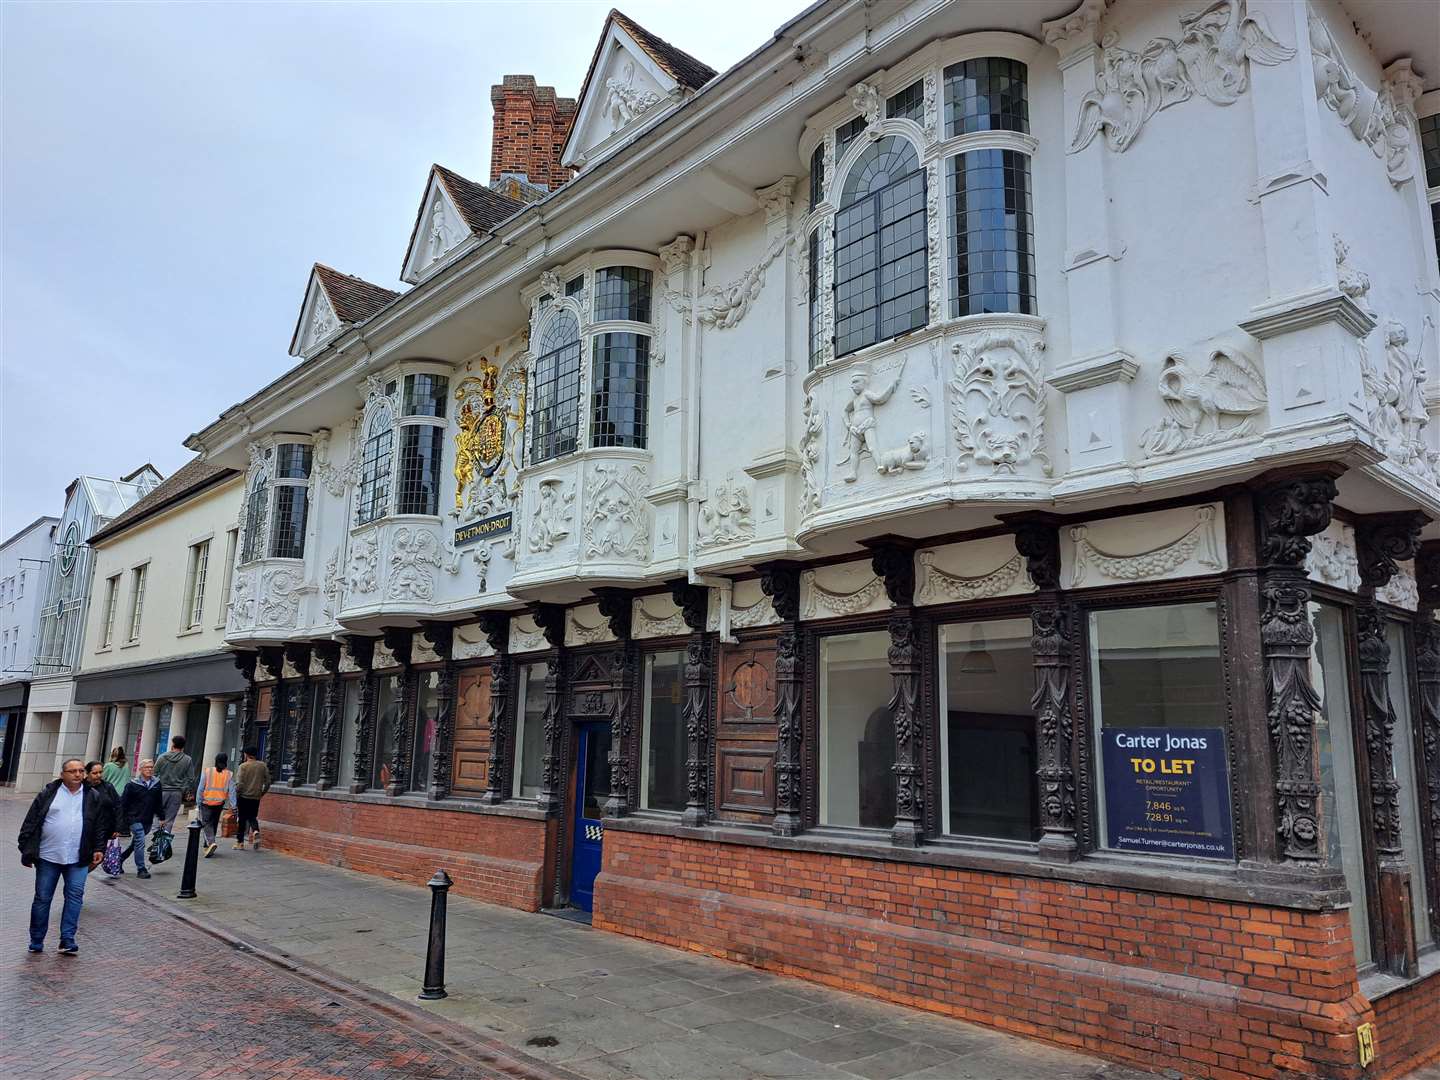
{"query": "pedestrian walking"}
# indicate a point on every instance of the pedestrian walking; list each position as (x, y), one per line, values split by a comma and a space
(216, 794)
(117, 771)
(251, 783)
(176, 773)
(140, 804)
(63, 836)
(95, 778)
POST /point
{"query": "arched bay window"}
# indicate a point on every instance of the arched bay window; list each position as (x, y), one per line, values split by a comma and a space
(880, 253)
(277, 504)
(257, 505)
(555, 415)
(992, 230)
(373, 492)
(403, 437)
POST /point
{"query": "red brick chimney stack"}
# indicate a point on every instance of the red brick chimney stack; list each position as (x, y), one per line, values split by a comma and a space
(531, 124)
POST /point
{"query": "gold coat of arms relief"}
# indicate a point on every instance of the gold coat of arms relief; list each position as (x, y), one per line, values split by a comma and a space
(491, 419)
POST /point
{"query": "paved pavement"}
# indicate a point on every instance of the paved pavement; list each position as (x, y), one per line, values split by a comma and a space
(589, 1003)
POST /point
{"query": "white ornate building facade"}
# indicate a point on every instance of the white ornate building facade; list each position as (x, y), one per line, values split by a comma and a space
(791, 535)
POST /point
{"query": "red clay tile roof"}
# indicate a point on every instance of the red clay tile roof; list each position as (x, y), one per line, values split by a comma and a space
(195, 475)
(683, 68)
(354, 299)
(481, 208)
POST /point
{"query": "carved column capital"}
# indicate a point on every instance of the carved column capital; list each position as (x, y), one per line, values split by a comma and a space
(440, 636)
(1382, 541)
(495, 625)
(550, 618)
(245, 660)
(328, 653)
(361, 649)
(616, 609)
(780, 581)
(893, 561)
(398, 640)
(1077, 30)
(693, 602)
(1037, 539)
(1291, 509)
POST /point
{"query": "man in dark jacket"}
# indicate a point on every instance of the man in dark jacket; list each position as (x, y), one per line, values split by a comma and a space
(140, 805)
(63, 835)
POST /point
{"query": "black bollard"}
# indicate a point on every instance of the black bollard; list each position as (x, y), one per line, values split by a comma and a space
(435, 953)
(192, 863)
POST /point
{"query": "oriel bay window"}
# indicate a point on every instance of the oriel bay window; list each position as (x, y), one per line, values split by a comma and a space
(857, 731)
(1158, 703)
(422, 435)
(880, 252)
(663, 741)
(555, 413)
(987, 730)
(277, 504)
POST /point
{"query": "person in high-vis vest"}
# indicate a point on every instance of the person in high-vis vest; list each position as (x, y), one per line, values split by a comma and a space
(215, 793)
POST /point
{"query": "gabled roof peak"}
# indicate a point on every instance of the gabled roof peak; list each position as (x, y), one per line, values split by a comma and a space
(686, 69)
(334, 300)
(452, 209)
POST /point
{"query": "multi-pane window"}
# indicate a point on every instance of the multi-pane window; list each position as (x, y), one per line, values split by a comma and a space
(619, 385)
(555, 414)
(846, 134)
(622, 292)
(112, 599)
(880, 254)
(372, 495)
(575, 286)
(1430, 151)
(987, 730)
(857, 731)
(227, 583)
(292, 488)
(992, 230)
(195, 573)
(530, 743)
(908, 104)
(813, 300)
(137, 601)
(422, 436)
(817, 175)
(986, 94)
(663, 785)
(992, 234)
(257, 503)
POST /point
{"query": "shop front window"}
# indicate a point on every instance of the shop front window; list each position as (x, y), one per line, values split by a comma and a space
(857, 732)
(349, 730)
(987, 730)
(314, 731)
(1159, 704)
(530, 744)
(426, 716)
(1335, 745)
(388, 702)
(1407, 776)
(663, 739)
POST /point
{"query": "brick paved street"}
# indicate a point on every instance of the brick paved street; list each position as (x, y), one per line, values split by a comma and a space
(590, 1004)
(151, 996)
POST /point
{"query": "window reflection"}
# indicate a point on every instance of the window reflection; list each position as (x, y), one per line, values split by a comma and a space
(857, 732)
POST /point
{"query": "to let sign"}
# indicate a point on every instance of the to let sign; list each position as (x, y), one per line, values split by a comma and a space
(1167, 791)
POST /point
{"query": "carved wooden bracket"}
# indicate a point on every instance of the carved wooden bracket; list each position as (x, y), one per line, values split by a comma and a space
(440, 636)
(244, 661)
(1291, 509)
(495, 625)
(780, 581)
(893, 560)
(362, 650)
(328, 653)
(1383, 541)
(693, 602)
(1037, 539)
(398, 640)
(616, 608)
(272, 662)
(550, 618)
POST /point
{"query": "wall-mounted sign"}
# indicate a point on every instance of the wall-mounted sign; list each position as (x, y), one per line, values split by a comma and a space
(1167, 791)
(484, 529)
(70, 549)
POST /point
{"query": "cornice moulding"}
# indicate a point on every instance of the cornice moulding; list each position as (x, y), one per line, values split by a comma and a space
(1312, 309)
(1118, 366)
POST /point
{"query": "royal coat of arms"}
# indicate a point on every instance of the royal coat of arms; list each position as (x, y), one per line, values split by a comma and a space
(484, 420)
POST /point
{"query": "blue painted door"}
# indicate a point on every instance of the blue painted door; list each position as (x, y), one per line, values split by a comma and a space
(592, 788)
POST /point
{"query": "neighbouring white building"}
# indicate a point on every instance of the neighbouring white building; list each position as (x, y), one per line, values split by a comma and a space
(785, 535)
(22, 557)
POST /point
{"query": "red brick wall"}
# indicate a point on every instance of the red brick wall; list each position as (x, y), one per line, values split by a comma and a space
(1223, 989)
(530, 128)
(490, 857)
(1408, 1025)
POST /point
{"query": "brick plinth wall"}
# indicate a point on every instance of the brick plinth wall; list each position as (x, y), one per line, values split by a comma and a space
(1216, 989)
(490, 857)
(1408, 1022)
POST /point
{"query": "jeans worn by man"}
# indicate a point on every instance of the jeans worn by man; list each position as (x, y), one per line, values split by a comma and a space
(176, 772)
(63, 837)
(140, 805)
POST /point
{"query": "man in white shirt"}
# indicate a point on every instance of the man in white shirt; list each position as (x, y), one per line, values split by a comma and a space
(63, 836)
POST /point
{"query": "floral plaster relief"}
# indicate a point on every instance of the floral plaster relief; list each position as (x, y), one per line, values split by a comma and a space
(973, 570)
(847, 589)
(1168, 544)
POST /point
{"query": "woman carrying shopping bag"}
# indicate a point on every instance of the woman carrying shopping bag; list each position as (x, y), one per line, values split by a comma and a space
(215, 794)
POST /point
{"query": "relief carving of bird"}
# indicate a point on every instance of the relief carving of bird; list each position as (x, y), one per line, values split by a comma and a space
(1230, 387)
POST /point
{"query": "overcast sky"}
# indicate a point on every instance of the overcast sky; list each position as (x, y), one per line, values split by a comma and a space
(171, 171)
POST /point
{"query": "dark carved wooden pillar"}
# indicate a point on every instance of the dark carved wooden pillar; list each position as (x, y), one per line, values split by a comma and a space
(1051, 644)
(402, 731)
(496, 628)
(328, 653)
(297, 719)
(550, 618)
(1291, 510)
(245, 663)
(441, 637)
(615, 607)
(692, 600)
(894, 564)
(362, 651)
(1382, 541)
(1427, 673)
(780, 581)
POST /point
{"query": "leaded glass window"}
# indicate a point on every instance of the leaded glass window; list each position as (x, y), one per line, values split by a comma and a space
(425, 395)
(618, 397)
(556, 413)
(992, 233)
(292, 490)
(986, 94)
(256, 505)
(814, 298)
(908, 104)
(418, 487)
(880, 252)
(1430, 148)
(622, 292)
(847, 133)
(817, 175)
(373, 494)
